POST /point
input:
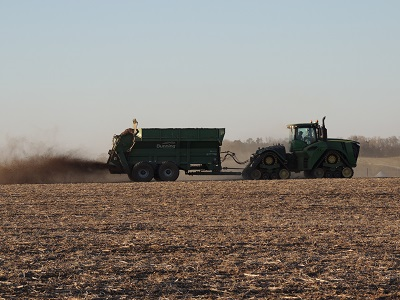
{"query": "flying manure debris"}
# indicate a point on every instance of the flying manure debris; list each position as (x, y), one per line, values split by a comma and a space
(51, 169)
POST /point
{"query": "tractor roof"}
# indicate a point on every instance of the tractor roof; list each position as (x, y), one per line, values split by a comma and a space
(303, 125)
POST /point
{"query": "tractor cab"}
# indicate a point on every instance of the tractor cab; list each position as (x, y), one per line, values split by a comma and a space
(310, 152)
(304, 134)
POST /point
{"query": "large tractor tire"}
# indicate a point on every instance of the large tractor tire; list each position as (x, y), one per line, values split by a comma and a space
(168, 171)
(142, 172)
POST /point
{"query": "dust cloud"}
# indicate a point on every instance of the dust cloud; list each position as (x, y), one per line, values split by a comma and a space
(42, 160)
(52, 168)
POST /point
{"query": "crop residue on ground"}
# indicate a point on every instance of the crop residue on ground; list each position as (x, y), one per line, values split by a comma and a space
(292, 239)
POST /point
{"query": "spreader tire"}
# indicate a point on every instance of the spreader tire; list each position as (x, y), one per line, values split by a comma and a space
(142, 172)
(168, 171)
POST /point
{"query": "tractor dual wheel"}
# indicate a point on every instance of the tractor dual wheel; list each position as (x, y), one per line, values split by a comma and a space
(168, 171)
(142, 172)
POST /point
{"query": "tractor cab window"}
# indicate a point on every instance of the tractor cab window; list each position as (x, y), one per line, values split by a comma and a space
(306, 135)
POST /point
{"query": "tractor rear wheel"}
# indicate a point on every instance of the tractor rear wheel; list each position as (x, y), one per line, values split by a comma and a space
(168, 171)
(142, 172)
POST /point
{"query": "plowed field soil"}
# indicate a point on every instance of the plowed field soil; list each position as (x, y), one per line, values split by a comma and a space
(293, 239)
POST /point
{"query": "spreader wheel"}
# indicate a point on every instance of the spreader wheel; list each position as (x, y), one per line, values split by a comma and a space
(142, 172)
(168, 171)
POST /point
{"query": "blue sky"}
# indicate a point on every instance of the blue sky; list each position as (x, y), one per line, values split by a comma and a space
(73, 73)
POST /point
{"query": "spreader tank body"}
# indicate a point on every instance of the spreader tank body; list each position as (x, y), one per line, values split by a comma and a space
(160, 153)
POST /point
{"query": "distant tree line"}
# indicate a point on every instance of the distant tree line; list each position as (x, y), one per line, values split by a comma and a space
(370, 147)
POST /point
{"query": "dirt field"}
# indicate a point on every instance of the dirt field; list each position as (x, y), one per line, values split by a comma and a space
(293, 239)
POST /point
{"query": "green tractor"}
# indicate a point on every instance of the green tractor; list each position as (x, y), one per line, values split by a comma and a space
(311, 152)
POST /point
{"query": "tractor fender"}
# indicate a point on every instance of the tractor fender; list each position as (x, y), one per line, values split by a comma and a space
(342, 157)
(278, 150)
